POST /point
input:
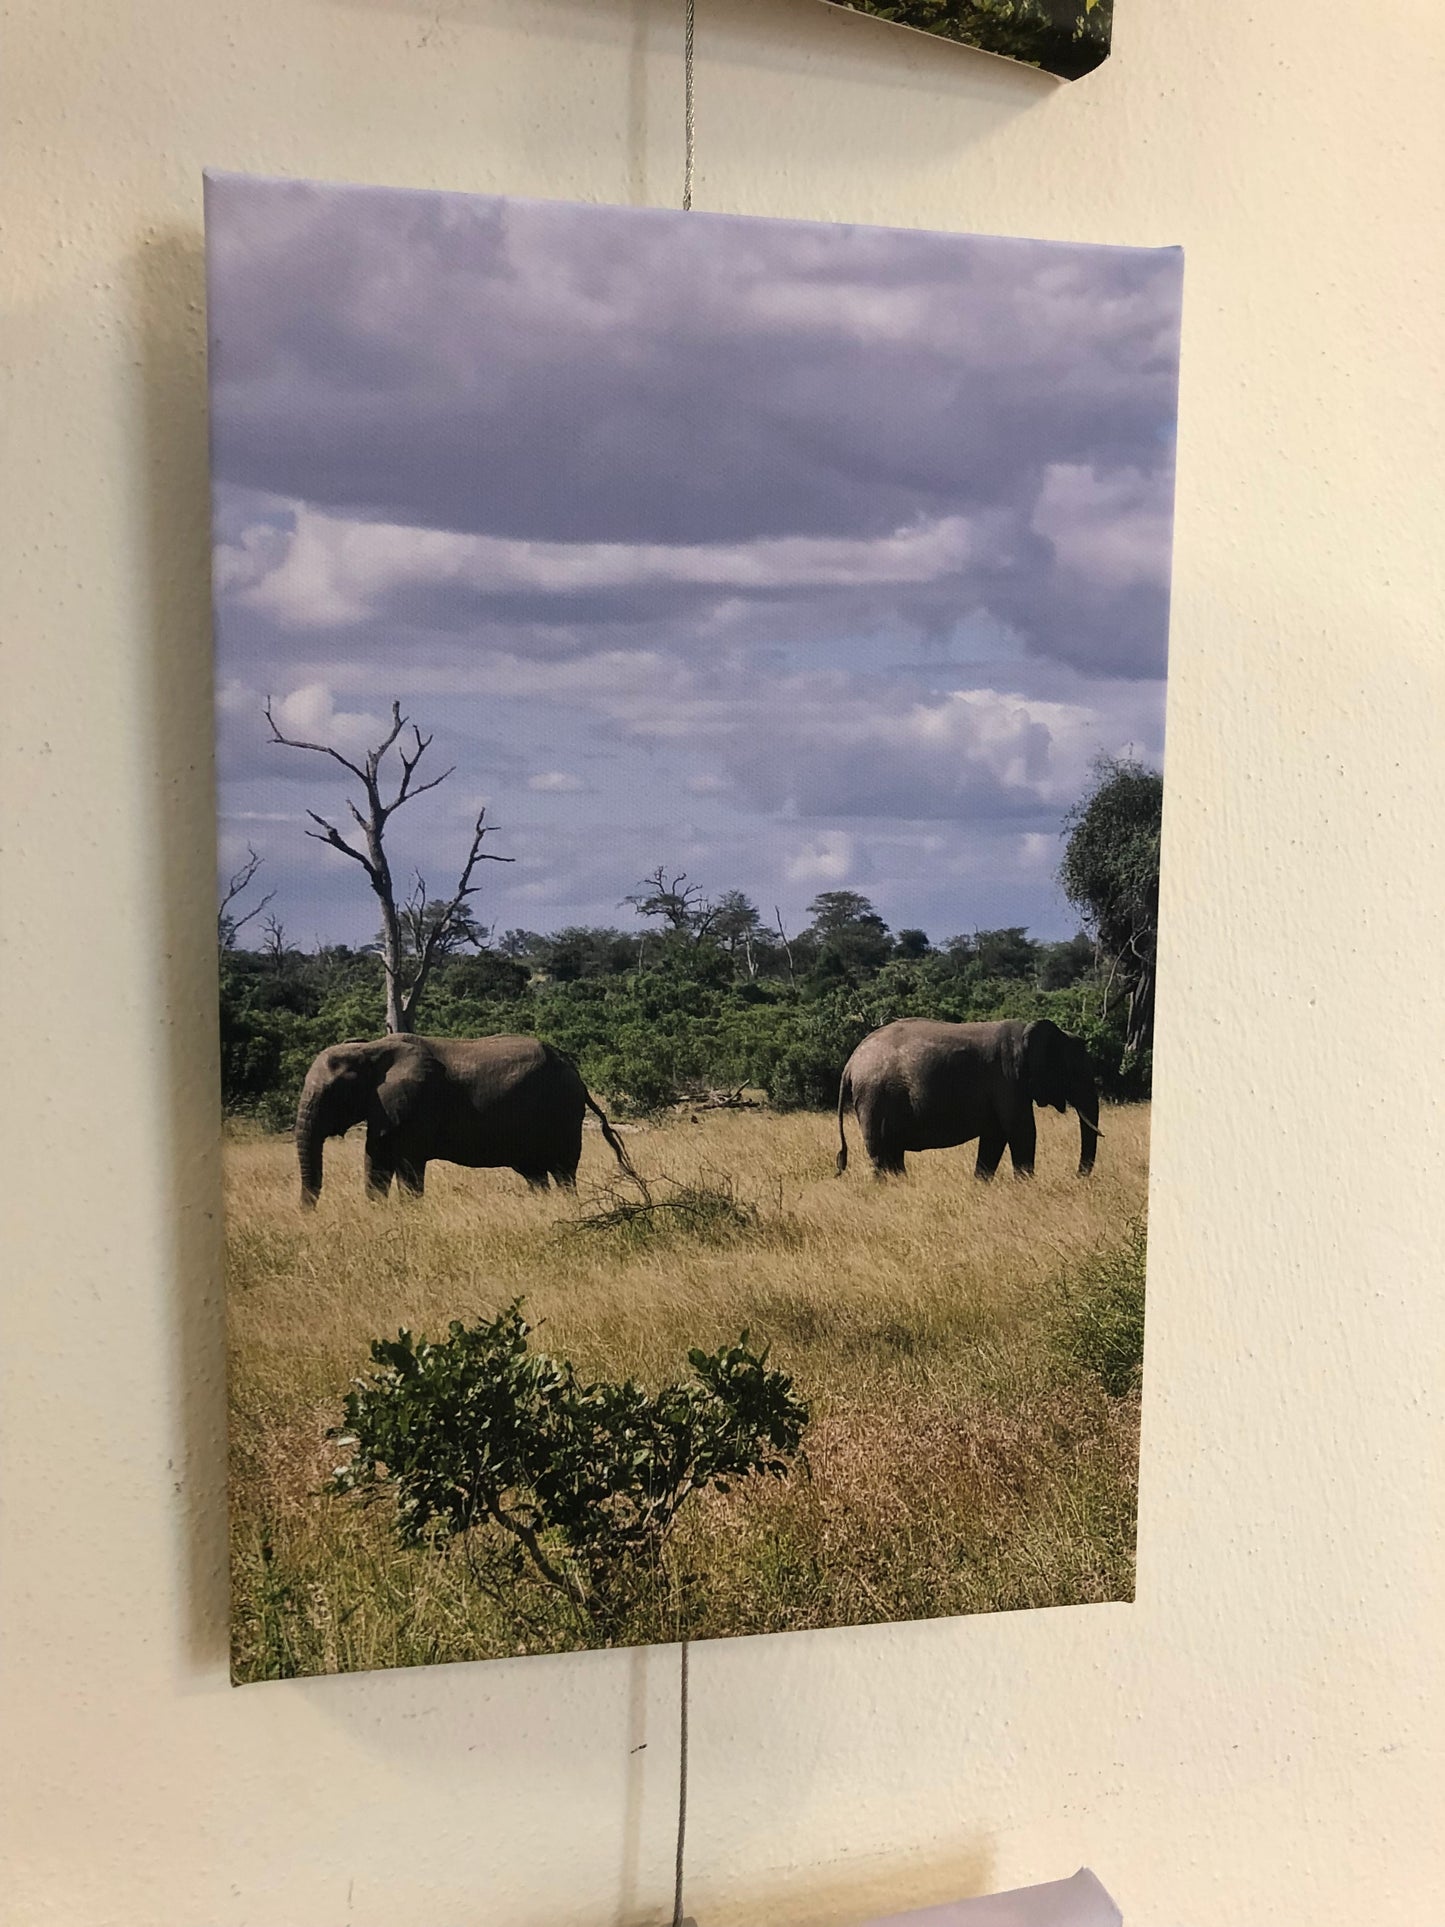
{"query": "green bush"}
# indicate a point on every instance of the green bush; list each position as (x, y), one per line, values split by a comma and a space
(479, 1438)
(1100, 1322)
(805, 1073)
(638, 1082)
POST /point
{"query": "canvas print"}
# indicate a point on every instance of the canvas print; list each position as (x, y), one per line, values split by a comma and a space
(690, 701)
(1068, 38)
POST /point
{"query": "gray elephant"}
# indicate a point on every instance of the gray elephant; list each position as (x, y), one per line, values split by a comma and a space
(920, 1085)
(480, 1101)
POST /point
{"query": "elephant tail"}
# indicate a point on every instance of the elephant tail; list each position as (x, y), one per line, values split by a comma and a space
(619, 1149)
(845, 1098)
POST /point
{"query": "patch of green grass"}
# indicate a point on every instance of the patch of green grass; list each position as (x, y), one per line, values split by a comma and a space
(1100, 1324)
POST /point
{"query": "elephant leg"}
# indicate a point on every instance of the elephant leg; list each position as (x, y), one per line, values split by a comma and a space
(537, 1179)
(379, 1174)
(411, 1178)
(888, 1161)
(990, 1149)
(883, 1138)
(1022, 1141)
(565, 1180)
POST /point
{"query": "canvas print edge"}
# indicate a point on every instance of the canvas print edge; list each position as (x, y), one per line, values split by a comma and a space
(662, 215)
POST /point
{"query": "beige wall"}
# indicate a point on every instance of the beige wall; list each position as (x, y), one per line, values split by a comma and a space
(1259, 1738)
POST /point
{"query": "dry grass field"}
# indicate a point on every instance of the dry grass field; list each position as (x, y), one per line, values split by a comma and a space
(960, 1457)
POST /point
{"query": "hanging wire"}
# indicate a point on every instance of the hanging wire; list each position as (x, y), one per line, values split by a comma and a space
(689, 45)
(689, 138)
(677, 1919)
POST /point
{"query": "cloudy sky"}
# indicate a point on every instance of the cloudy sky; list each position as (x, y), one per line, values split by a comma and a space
(796, 557)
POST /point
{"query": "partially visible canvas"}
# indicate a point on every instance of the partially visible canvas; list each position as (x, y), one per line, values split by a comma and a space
(1077, 1902)
(1068, 38)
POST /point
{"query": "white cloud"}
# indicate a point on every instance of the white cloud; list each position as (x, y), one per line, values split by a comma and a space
(331, 572)
(309, 714)
(610, 679)
(238, 567)
(235, 698)
(556, 782)
(828, 858)
(816, 743)
(834, 744)
(1111, 529)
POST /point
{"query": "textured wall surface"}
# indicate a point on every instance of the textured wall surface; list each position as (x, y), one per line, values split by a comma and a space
(1258, 1740)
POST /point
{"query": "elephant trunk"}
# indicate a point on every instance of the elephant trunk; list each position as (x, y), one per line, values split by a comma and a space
(1087, 1105)
(310, 1140)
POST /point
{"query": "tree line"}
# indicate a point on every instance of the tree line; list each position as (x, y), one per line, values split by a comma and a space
(705, 994)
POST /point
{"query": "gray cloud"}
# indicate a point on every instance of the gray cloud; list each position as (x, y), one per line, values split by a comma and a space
(438, 362)
(810, 540)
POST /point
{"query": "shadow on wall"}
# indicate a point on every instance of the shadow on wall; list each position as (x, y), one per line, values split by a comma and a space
(437, 1722)
(846, 1895)
(178, 814)
(168, 276)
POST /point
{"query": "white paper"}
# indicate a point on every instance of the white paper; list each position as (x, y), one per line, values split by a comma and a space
(1078, 1902)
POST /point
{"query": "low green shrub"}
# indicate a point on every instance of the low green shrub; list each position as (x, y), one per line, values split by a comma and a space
(538, 1472)
(638, 1082)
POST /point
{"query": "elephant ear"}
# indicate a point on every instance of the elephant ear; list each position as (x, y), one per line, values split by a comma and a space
(401, 1089)
(1046, 1070)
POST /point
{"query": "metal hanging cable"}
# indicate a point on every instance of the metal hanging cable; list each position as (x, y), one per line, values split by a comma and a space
(677, 1916)
(689, 140)
(689, 48)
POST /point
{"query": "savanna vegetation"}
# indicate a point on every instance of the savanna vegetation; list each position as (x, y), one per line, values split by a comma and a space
(729, 1392)
(967, 1357)
(704, 993)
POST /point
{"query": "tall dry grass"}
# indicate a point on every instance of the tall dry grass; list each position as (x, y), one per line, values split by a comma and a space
(959, 1458)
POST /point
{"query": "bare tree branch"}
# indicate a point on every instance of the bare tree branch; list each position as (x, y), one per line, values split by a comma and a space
(787, 947)
(413, 914)
(421, 789)
(240, 881)
(398, 724)
(682, 906)
(274, 946)
(321, 749)
(408, 766)
(328, 833)
(440, 927)
(406, 975)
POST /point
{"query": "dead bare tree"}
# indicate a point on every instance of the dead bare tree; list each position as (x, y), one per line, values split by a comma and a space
(407, 969)
(275, 947)
(787, 947)
(680, 907)
(227, 922)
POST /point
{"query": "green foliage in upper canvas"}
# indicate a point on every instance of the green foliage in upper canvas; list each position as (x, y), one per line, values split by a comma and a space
(1067, 37)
